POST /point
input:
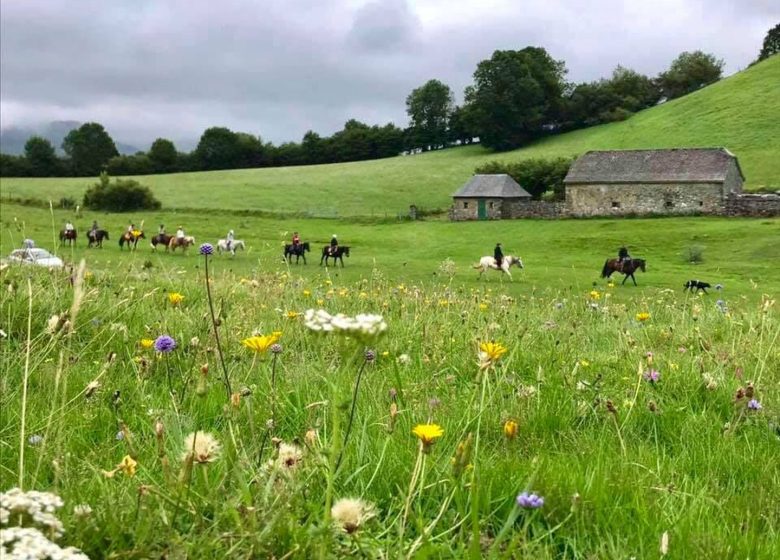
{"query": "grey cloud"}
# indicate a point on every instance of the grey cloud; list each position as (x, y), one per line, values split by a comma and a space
(279, 68)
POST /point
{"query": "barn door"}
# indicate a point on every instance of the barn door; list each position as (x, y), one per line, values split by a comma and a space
(481, 210)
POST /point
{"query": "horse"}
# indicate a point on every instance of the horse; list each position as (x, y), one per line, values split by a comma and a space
(222, 245)
(68, 235)
(341, 250)
(626, 268)
(506, 263)
(131, 238)
(96, 237)
(161, 239)
(186, 241)
(297, 250)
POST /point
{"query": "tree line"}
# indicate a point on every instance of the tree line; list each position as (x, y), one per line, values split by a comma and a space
(517, 96)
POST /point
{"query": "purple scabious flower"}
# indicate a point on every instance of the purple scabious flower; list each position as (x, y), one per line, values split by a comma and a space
(206, 249)
(652, 376)
(753, 404)
(164, 344)
(530, 501)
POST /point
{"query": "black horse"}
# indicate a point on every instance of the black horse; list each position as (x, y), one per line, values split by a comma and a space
(161, 239)
(68, 235)
(131, 239)
(96, 237)
(298, 251)
(337, 256)
(626, 268)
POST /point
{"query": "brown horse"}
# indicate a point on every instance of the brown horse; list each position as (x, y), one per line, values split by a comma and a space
(161, 239)
(183, 243)
(627, 268)
(131, 238)
(68, 235)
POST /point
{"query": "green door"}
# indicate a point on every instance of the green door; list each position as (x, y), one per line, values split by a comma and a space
(481, 210)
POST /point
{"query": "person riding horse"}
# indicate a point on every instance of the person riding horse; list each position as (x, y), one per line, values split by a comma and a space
(623, 257)
(161, 231)
(94, 228)
(69, 227)
(180, 236)
(229, 239)
(498, 254)
(334, 245)
(296, 240)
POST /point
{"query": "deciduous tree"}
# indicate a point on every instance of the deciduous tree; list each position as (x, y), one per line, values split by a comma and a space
(41, 157)
(429, 108)
(690, 71)
(89, 147)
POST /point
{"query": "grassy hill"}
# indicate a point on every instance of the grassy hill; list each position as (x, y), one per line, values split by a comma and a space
(740, 112)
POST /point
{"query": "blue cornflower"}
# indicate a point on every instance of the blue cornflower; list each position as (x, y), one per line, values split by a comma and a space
(530, 501)
(164, 344)
(206, 249)
(754, 405)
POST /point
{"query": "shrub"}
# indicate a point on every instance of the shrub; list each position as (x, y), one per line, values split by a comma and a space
(123, 195)
(67, 202)
(535, 175)
(695, 254)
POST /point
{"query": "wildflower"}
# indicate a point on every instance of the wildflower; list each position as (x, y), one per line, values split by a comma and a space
(82, 510)
(721, 305)
(261, 343)
(276, 348)
(206, 249)
(530, 501)
(349, 514)
(595, 295)
(584, 363)
(164, 344)
(510, 429)
(120, 435)
(652, 376)
(428, 434)
(292, 314)
(194, 342)
(643, 316)
(491, 352)
(127, 466)
(35, 439)
(306, 293)
(483, 306)
(753, 404)
(370, 355)
(649, 358)
(146, 343)
(201, 447)
(289, 456)
(175, 298)
(403, 359)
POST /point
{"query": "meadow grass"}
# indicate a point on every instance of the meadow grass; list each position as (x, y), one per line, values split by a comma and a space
(739, 112)
(620, 460)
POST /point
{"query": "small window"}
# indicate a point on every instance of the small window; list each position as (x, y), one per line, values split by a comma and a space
(668, 204)
(615, 204)
(701, 203)
(465, 205)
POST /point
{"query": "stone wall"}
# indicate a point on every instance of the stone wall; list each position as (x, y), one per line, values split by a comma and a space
(537, 209)
(467, 209)
(752, 205)
(644, 198)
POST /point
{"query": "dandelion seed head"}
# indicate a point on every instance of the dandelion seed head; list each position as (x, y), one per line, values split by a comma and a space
(201, 447)
(350, 513)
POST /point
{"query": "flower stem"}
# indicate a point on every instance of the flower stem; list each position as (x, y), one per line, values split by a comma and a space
(216, 331)
(351, 413)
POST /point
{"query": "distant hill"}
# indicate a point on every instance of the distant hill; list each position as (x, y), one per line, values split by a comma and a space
(740, 112)
(13, 139)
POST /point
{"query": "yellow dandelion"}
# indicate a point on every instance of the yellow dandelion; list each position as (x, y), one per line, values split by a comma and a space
(127, 466)
(492, 351)
(350, 513)
(385, 354)
(175, 298)
(201, 447)
(146, 343)
(643, 316)
(306, 293)
(483, 306)
(261, 343)
(292, 314)
(584, 363)
(428, 434)
(594, 294)
(510, 429)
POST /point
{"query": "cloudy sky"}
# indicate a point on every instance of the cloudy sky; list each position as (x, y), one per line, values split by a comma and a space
(149, 68)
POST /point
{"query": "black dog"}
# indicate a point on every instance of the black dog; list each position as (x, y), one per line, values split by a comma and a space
(696, 285)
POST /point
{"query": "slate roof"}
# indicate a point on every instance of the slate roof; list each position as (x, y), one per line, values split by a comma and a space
(677, 165)
(491, 186)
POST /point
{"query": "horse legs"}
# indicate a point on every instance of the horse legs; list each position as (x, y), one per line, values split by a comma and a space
(632, 278)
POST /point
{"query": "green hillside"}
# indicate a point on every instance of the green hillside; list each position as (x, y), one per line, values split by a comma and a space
(740, 113)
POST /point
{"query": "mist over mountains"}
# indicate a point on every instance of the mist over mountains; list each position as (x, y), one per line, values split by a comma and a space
(12, 139)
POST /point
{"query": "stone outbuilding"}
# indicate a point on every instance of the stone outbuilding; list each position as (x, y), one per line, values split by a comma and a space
(674, 181)
(489, 197)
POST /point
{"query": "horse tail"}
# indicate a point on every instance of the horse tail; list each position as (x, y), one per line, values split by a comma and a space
(605, 270)
(476, 266)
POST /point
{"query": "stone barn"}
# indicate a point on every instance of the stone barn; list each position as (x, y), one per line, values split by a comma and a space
(488, 197)
(675, 181)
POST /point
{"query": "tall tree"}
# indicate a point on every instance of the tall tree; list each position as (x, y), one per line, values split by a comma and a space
(218, 149)
(460, 128)
(690, 71)
(771, 44)
(515, 94)
(89, 147)
(41, 157)
(163, 155)
(429, 108)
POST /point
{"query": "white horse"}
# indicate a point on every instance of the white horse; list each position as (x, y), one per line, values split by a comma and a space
(222, 245)
(489, 262)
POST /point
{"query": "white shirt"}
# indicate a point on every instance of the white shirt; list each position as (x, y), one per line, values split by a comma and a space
(179, 233)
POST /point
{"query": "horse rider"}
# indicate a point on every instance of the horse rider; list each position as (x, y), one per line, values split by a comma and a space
(498, 254)
(68, 226)
(93, 230)
(161, 231)
(180, 236)
(296, 240)
(623, 257)
(229, 240)
(334, 245)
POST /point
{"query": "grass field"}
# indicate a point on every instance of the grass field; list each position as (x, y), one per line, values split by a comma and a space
(740, 113)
